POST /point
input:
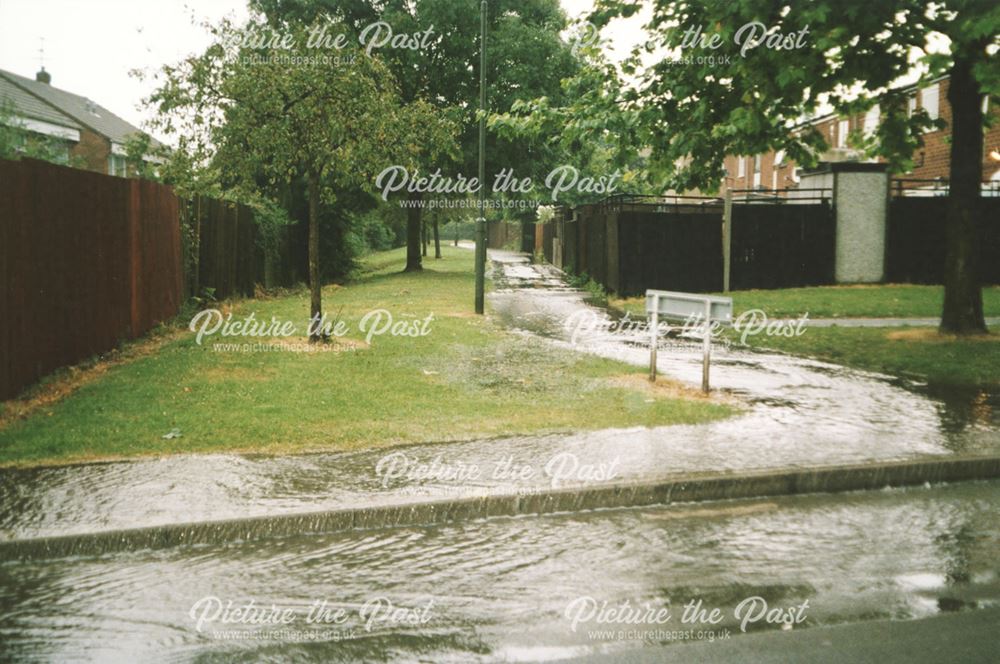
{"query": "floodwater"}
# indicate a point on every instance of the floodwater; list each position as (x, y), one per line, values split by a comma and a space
(813, 405)
(507, 589)
(515, 589)
(800, 413)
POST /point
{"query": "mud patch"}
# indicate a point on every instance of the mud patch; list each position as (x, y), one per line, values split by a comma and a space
(667, 388)
(931, 335)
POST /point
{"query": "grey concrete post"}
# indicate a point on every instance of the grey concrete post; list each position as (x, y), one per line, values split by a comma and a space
(860, 196)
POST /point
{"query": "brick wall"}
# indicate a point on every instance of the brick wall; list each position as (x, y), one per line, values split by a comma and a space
(932, 160)
(93, 150)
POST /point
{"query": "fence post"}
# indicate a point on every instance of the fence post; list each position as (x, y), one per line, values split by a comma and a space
(654, 325)
(197, 247)
(135, 256)
(706, 347)
(727, 237)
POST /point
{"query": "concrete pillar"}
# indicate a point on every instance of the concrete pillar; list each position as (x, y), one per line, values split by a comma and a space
(860, 197)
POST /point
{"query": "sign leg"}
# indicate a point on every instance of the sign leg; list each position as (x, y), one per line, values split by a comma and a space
(706, 347)
(654, 324)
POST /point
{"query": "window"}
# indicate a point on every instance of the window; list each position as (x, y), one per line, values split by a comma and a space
(871, 120)
(929, 100)
(60, 152)
(756, 171)
(116, 165)
(741, 167)
(911, 105)
(842, 128)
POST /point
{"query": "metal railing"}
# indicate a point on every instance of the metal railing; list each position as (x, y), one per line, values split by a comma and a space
(930, 187)
(794, 194)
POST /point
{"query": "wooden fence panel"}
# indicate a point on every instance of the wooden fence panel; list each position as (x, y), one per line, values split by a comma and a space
(680, 249)
(917, 239)
(88, 260)
(632, 247)
(782, 245)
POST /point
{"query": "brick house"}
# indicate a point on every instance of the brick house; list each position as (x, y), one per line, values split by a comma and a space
(772, 170)
(93, 136)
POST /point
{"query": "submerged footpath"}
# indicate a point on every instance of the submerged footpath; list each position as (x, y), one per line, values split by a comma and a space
(802, 415)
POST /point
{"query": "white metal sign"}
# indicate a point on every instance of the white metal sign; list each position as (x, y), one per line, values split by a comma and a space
(687, 307)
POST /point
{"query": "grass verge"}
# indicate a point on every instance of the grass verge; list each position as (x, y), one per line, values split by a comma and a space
(465, 379)
(857, 301)
(922, 353)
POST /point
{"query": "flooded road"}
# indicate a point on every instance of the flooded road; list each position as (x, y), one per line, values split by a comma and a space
(529, 588)
(801, 413)
(510, 589)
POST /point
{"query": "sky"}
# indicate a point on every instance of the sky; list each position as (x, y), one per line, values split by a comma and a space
(90, 46)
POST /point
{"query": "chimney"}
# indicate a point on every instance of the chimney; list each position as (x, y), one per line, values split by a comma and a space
(43, 76)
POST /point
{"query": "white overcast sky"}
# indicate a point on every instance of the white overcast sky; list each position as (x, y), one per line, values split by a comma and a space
(91, 45)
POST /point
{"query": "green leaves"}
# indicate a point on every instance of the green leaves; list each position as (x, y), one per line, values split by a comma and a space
(703, 110)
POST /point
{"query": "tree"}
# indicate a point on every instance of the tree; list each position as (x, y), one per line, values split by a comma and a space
(527, 59)
(817, 54)
(142, 158)
(274, 118)
(16, 140)
(593, 130)
(426, 136)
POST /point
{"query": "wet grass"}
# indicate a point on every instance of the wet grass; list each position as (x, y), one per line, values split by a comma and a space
(465, 379)
(918, 352)
(922, 353)
(860, 301)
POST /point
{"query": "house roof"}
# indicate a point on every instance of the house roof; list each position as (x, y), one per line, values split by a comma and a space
(29, 106)
(86, 112)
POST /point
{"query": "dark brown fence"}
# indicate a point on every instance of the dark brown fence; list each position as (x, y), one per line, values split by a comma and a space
(632, 243)
(500, 234)
(675, 249)
(783, 245)
(86, 260)
(916, 239)
(226, 248)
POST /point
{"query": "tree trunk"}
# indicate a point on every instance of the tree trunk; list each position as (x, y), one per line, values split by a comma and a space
(413, 260)
(315, 287)
(437, 239)
(423, 235)
(963, 296)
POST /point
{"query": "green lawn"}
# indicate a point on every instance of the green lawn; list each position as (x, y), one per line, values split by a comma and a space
(922, 353)
(914, 352)
(465, 379)
(874, 301)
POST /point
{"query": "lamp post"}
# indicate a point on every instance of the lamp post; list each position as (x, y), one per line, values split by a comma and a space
(481, 219)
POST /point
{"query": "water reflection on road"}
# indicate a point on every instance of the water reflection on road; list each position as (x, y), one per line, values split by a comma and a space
(801, 408)
(499, 590)
(801, 413)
